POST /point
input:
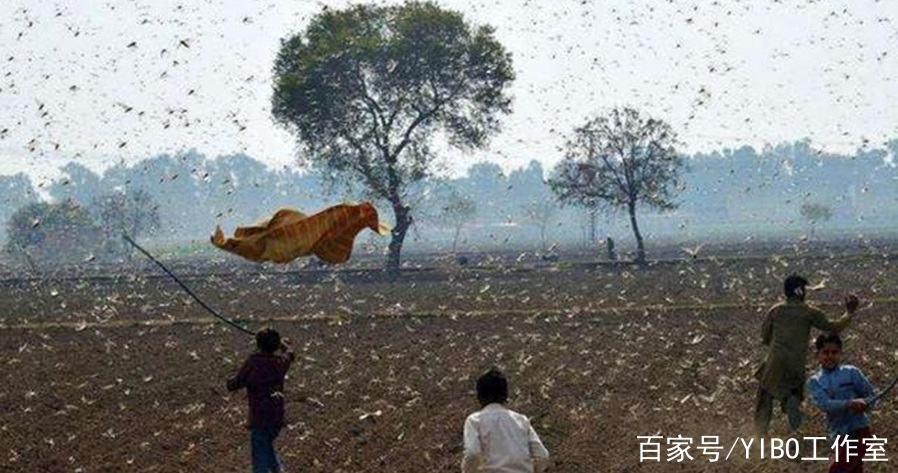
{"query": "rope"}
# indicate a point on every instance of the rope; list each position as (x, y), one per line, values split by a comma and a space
(885, 391)
(187, 289)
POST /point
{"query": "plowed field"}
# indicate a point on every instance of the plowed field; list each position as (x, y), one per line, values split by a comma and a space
(126, 373)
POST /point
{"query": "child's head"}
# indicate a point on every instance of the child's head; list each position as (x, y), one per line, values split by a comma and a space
(829, 350)
(492, 387)
(268, 340)
(794, 287)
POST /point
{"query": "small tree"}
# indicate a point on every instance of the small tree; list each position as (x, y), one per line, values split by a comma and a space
(458, 211)
(539, 213)
(134, 214)
(52, 232)
(620, 161)
(592, 217)
(365, 89)
(814, 213)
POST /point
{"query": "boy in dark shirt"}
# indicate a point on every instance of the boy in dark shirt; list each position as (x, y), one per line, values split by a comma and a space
(262, 374)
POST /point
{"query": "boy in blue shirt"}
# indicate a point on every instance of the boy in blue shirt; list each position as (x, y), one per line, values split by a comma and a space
(845, 394)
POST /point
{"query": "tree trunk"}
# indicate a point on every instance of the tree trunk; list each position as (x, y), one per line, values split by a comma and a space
(592, 228)
(403, 222)
(640, 246)
(455, 239)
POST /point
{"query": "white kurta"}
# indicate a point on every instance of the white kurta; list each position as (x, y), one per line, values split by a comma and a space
(499, 440)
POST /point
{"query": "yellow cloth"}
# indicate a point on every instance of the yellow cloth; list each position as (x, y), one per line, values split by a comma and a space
(289, 234)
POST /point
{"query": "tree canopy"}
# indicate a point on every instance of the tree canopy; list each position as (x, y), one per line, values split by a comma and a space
(63, 231)
(458, 211)
(366, 89)
(622, 160)
(134, 214)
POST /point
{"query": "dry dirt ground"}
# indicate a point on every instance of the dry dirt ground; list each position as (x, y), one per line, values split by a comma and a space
(126, 373)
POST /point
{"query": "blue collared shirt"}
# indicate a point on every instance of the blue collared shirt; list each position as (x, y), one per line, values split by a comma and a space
(831, 390)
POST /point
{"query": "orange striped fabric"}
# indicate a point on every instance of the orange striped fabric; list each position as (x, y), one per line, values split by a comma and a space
(289, 234)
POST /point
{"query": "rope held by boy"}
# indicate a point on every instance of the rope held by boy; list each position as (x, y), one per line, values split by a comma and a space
(186, 289)
(886, 390)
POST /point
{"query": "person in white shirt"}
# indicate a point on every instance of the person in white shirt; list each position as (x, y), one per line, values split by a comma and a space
(497, 439)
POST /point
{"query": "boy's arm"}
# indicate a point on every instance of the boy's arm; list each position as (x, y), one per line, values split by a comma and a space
(822, 400)
(864, 388)
(767, 328)
(239, 380)
(472, 452)
(537, 450)
(470, 464)
(287, 354)
(819, 320)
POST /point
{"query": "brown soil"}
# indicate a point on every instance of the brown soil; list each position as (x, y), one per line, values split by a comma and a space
(127, 373)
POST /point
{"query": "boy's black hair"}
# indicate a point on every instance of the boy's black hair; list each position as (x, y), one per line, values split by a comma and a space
(268, 340)
(492, 387)
(825, 338)
(792, 284)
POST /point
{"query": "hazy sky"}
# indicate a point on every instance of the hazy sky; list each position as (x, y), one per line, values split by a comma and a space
(111, 80)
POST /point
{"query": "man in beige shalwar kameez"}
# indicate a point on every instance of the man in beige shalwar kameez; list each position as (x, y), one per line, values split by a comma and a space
(785, 333)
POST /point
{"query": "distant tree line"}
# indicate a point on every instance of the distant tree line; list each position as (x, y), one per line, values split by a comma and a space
(790, 186)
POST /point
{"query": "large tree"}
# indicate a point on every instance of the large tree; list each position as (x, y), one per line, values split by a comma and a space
(365, 89)
(622, 160)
